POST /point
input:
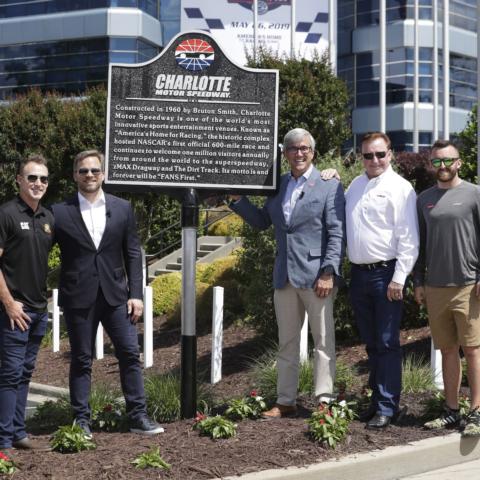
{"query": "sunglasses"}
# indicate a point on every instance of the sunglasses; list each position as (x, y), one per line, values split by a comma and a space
(303, 149)
(34, 178)
(448, 162)
(94, 171)
(369, 156)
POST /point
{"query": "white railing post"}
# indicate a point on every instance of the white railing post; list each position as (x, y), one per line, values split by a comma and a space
(55, 321)
(99, 342)
(217, 335)
(436, 367)
(148, 328)
(304, 340)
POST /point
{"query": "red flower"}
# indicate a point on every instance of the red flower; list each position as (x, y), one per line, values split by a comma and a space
(200, 416)
(321, 421)
(254, 393)
(107, 408)
(4, 457)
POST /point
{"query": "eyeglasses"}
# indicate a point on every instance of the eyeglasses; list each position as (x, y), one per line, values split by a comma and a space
(303, 149)
(94, 171)
(34, 178)
(448, 162)
(379, 155)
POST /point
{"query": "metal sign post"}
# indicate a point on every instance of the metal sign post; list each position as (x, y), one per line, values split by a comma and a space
(190, 209)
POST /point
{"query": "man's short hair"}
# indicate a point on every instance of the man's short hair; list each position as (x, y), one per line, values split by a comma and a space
(34, 157)
(439, 144)
(371, 136)
(88, 153)
(295, 135)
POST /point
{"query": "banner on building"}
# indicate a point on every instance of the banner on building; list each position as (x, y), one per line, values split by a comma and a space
(230, 22)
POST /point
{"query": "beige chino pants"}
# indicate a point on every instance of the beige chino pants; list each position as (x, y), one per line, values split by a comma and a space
(290, 306)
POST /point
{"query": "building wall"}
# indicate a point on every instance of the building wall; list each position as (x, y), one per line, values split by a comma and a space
(359, 65)
(67, 45)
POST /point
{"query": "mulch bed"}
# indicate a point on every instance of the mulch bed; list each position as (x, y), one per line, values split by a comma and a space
(259, 445)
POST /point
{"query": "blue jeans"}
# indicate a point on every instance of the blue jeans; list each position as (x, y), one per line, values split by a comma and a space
(18, 352)
(378, 321)
(82, 324)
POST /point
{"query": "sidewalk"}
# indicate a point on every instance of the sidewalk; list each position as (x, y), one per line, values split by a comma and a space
(462, 471)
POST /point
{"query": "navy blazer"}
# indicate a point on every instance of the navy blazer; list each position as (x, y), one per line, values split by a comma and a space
(116, 267)
(315, 237)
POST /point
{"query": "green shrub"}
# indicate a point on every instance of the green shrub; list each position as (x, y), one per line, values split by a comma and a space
(346, 377)
(163, 397)
(151, 459)
(229, 226)
(416, 375)
(71, 439)
(215, 427)
(330, 424)
(108, 411)
(166, 293)
(50, 415)
(248, 407)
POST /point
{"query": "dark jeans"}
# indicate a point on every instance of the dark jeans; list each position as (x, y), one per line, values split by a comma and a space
(82, 327)
(18, 351)
(378, 320)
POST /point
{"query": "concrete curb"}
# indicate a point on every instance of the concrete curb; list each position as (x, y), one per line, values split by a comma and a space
(389, 464)
(47, 390)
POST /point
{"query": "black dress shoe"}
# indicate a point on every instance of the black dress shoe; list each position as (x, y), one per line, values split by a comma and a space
(379, 422)
(368, 414)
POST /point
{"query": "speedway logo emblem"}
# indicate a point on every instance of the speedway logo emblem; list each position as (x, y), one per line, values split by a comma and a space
(263, 5)
(194, 54)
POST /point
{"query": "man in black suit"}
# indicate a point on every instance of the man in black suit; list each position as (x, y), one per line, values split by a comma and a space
(101, 281)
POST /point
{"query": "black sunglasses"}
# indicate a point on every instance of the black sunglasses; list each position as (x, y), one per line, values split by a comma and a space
(34, 178)
(94, 171)
(448, 162)
(369, 156)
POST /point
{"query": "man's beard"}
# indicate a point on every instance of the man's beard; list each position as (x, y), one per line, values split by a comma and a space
(446, 174)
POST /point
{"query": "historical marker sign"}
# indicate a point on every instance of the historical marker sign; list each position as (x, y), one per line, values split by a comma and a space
(191, 118)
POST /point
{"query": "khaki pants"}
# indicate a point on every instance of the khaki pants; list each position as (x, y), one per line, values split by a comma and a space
(290, 306)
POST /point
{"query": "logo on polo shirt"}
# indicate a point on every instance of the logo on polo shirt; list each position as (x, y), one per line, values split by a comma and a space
(24, 226)
(46, 228)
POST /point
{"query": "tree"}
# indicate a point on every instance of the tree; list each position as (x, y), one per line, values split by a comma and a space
(468, 148)
(311, 97)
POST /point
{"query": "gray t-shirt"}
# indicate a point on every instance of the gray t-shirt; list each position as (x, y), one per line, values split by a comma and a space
(449, 221)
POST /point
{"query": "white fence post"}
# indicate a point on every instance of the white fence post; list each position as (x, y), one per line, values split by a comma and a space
(436, 366)
(304, 340)
(55, 321)
(217, 335)
(99, 343)
(148, 328)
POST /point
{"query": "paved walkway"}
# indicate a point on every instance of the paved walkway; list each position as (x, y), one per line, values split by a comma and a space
(462, 471)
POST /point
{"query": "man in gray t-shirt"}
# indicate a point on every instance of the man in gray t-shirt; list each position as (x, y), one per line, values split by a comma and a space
(446, 278)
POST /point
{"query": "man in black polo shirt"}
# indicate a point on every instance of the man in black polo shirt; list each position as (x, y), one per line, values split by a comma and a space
(26, 231)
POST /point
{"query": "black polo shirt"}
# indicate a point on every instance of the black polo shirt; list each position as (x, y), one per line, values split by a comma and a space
(26, 238)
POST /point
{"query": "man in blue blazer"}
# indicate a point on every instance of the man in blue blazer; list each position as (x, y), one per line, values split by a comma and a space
(308, 217)
(101, 281)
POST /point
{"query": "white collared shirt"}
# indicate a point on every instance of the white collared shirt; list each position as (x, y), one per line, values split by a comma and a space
(94, 216)
(381, 218)
(293, 192)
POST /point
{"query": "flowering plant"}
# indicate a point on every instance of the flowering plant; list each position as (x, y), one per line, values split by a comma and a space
(7, 465)
(215, 427)
(329, 424)
(110, 418)
(249, 407)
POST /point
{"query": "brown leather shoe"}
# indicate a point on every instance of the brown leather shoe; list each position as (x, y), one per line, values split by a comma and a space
(280, 411)
(30, 444)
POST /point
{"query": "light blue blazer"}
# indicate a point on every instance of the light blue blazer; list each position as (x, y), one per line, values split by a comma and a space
(315, 237)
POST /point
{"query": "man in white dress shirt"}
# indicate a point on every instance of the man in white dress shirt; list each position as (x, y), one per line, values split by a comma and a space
(382, 244)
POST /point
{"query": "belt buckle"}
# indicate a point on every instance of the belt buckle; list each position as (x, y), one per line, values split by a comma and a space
(371, 266)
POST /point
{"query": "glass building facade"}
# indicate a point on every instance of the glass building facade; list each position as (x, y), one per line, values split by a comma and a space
(359, 62)
(75, 56)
